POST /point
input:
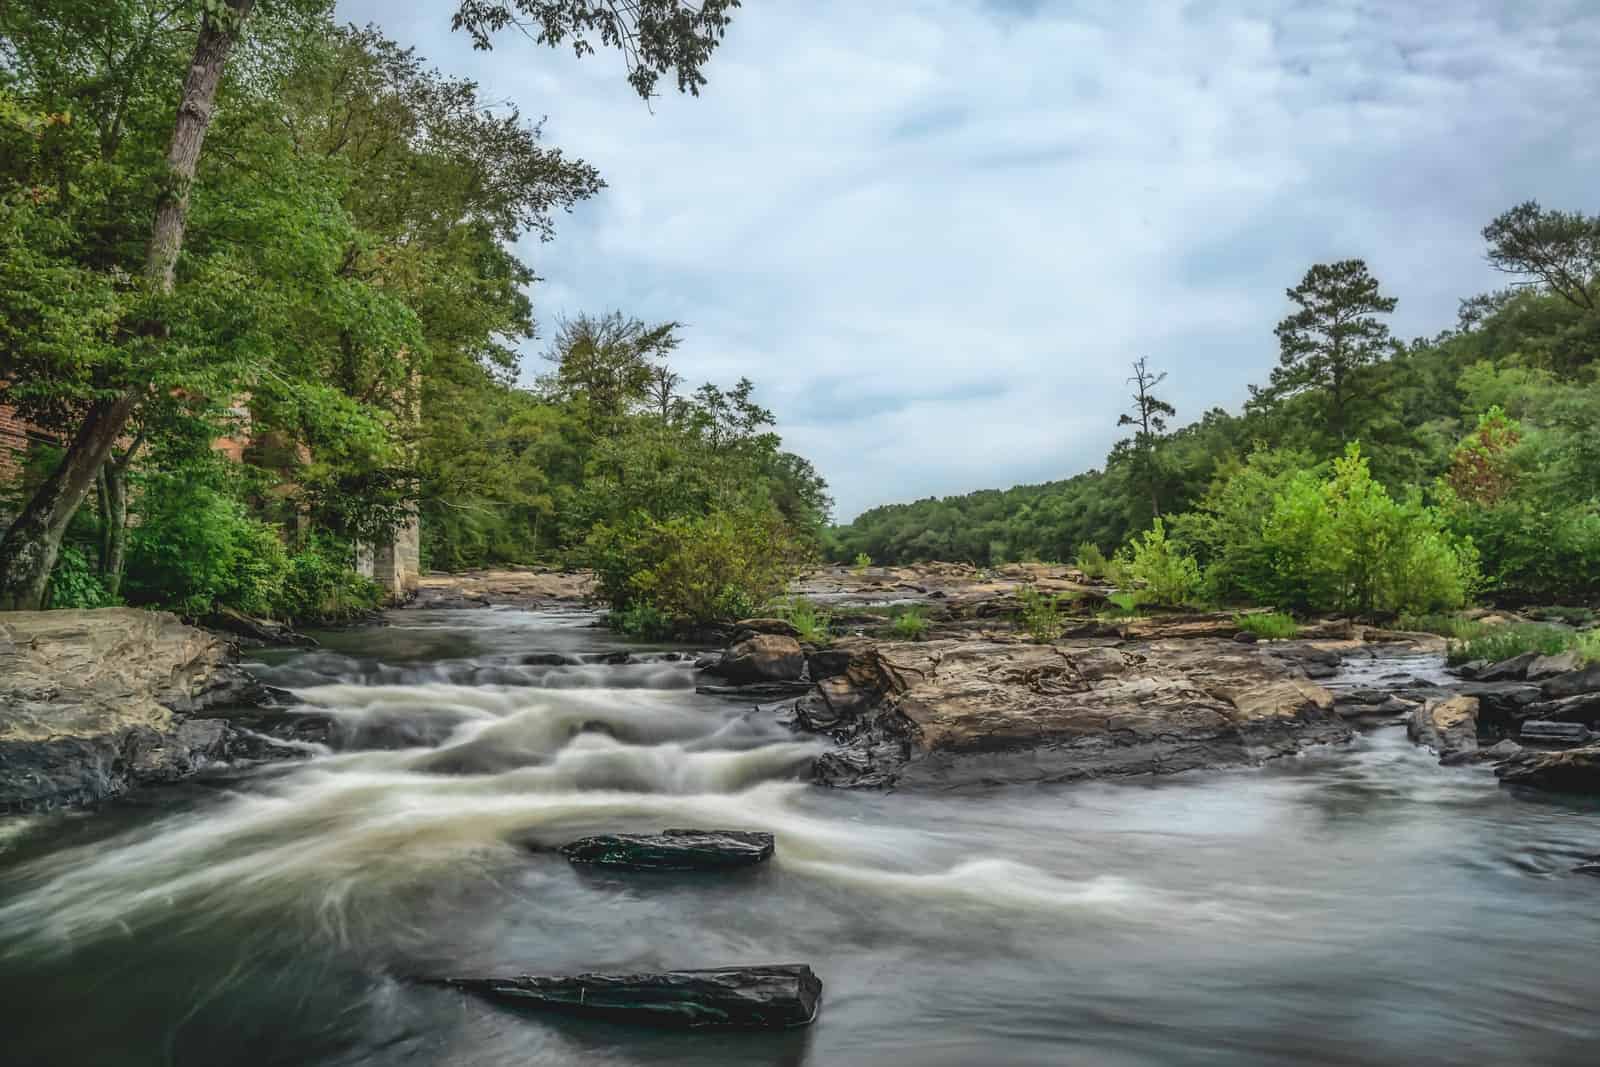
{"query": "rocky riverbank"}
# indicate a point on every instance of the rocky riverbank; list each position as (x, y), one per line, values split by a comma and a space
(95, 702)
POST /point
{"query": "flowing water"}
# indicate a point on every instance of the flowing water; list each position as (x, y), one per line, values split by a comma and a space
(1355, 906)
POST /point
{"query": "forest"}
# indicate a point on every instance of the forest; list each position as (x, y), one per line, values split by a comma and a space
(239, 221)
(1366, 473)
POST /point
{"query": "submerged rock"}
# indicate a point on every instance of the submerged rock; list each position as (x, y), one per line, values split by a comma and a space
(1449, 727)
(951, 713)
(92, 702)
(673, 850)
(771, 997)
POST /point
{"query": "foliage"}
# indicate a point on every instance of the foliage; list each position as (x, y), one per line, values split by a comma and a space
(910, 625)
(1587, 645)
(640, 619)
(74, 583)
(1041, 614)
(1268, 625)
(1091, 561)
(1495, 643)
(321, 586)
(1121, 605)
(1481, 470)
(695, 569)
(813, 623)
(1166, 574)
(861, 562)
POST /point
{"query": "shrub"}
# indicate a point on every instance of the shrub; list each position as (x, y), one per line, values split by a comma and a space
(862, 561)
(322, 586)
(1041, 614)
(640, 619)
(1168, 576)
(1224, 528)
(910, 625)
(195, 548)
(1091, 561)
(813, 622)
(1345, 545)
(1587, 645)
(695, 569)
(1122, 605)
(1495, 643)
(74, 583)
(1271, 625)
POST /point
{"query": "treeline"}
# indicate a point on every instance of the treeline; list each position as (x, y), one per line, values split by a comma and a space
(238, 220)
(1484, 435)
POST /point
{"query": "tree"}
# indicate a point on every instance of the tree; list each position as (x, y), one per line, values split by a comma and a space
(1333, 336)
(1557, 249)
(655, 36)
(605, 364)
(1150, 414)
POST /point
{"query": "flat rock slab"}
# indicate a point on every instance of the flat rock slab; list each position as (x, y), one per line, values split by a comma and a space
(774, 997)
(673, 850)
(1576, 770)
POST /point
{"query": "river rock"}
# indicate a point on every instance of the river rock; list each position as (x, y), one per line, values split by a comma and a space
(1577, 770)
(92, 702)
(772, 997)
(1571, 733)
(762, 658)
(948, 713)
(1572, 683)
(1449, 727)
(1550, 666)
(1514, 669)
(781, 627)
(673, 850)
(1580, 708)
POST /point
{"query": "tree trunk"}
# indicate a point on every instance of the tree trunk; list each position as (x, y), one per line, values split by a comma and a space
(29, 550)
(115, 475)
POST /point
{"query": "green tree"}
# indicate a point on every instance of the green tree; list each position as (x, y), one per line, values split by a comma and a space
(1149, 414)
(1330, 340)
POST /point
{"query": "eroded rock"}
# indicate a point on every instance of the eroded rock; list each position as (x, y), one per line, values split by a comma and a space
(1577, 770)
(673, 850)
(1449, 727)
(762, 658)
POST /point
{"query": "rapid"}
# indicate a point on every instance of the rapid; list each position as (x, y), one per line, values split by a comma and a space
(1352, 906)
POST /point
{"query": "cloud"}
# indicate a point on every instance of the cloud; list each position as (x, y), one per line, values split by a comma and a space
(935, 233)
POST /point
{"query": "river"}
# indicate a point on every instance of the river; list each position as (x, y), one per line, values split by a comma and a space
(1354, 906)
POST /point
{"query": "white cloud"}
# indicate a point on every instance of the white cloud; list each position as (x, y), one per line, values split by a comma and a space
(934, 234)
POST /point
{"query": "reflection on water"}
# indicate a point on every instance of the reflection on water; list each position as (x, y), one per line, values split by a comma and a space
(1356, 905)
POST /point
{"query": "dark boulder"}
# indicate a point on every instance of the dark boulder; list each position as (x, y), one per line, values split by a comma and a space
(728, 998)
(1580, 707)
(756, 690)
(1572, 733)
(673, 850)
(1577, 770)
(1572, 683)
(1514, 669)
(762, 658)
(780, 627)
(1550, 666)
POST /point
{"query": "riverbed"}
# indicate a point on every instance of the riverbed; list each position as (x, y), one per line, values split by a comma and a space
(1354, 905)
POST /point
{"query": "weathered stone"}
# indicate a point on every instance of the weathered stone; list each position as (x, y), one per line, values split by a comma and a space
(1577, 770)
(1503, 749)
(673, 850)
(828, 663)
(1501, 705)
(1550, 666)
(952, 713)
(1449, 727)
(1514, 669)
(731, 998)
(1572, 733)
(781, 627)
(757, 690)
(92, 702)
(1582, 708)
(1572, 683)
(762, 658)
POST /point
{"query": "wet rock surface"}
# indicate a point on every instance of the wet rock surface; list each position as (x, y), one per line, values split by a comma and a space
(950, 713)
(772, 997)
(1449, 727)
(673, 850)
(759, 658)
(1575, 770)
(93, 702)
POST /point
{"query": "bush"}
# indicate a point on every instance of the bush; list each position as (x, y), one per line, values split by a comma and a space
(862, 561)
(1495, 643)
(74, 583)
(322, 586)
(1121, 605)
(1270, 626)
(813, 622)
(194, 548)
(1091, 561)
(1041, 614)
(1224, 528)
(640, 620)
(1345, 545)
(1587, 645)
(1168, 576)
(695, 569)
(910, 625)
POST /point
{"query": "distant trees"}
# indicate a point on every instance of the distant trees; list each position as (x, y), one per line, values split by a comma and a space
(1150, 414)
(1335, 334)
(1558, 250)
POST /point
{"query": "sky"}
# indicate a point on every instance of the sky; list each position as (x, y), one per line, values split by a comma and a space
(936, 232)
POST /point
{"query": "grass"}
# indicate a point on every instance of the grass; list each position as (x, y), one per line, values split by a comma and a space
(1587, 645)
(1269, 626)
(910, 625)
(1041, 614)
(1121, 606)
(1455, 627)
(814, 623)
(1496, 643)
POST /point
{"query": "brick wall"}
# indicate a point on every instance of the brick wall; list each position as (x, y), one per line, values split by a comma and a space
(14, 437)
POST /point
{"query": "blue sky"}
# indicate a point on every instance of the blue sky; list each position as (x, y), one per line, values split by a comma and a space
(935, 233)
